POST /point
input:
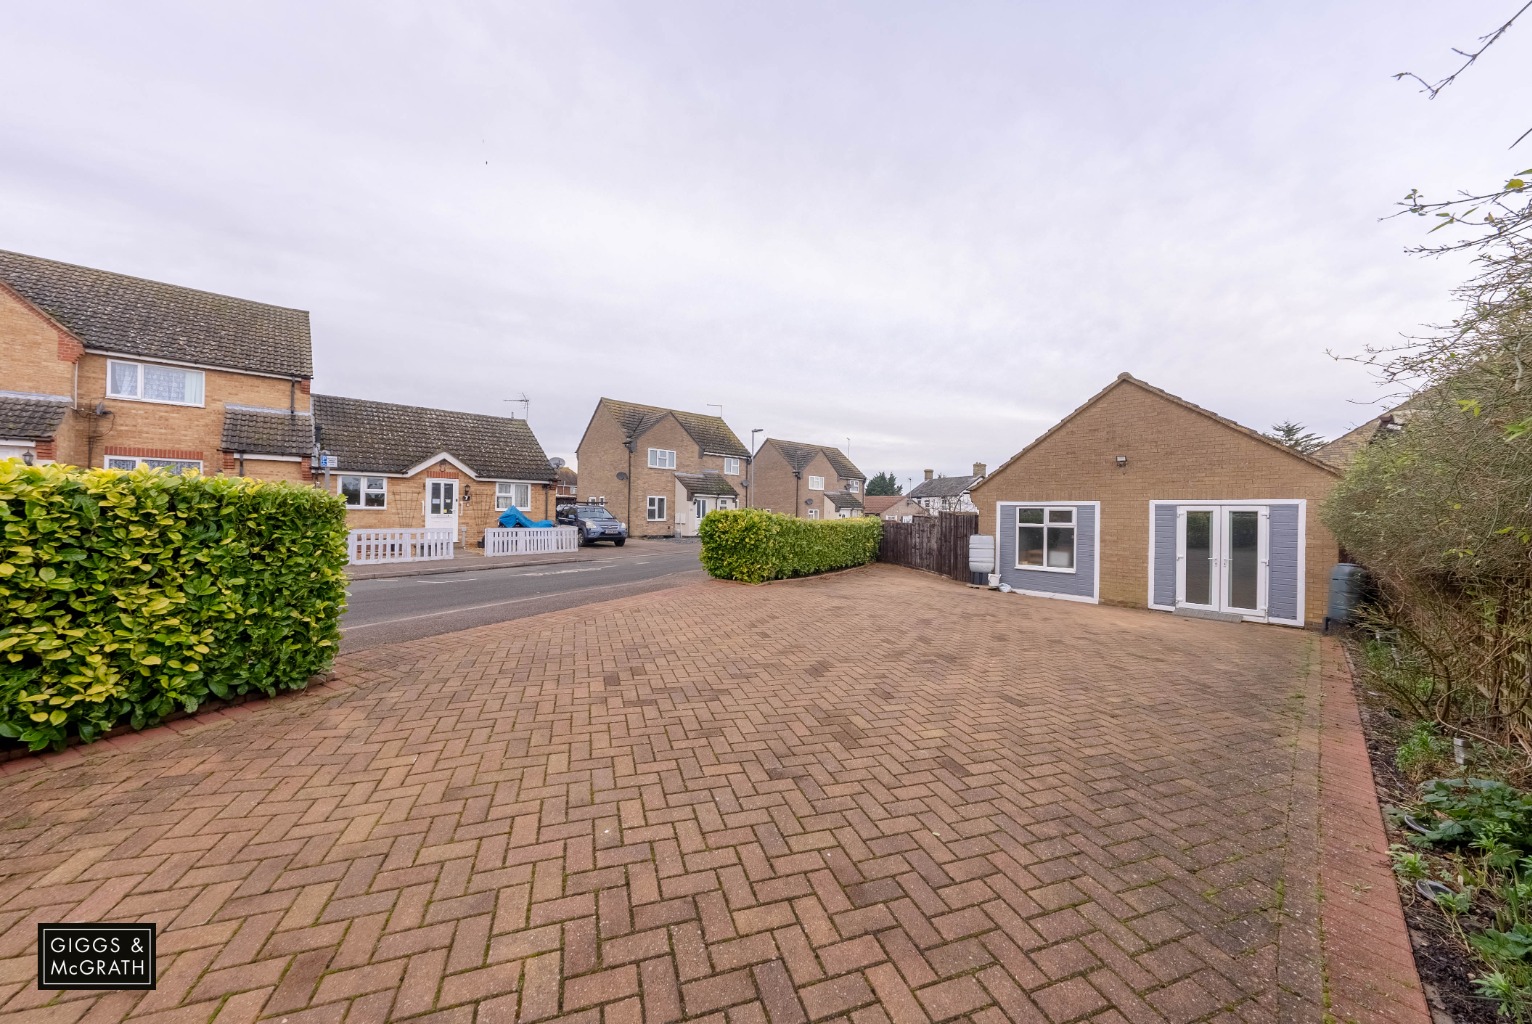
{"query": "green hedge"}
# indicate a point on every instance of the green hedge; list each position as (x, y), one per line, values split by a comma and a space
(127, 596)
(754, 546)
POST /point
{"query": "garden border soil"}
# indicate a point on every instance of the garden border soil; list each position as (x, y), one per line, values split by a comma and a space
(1443, 964)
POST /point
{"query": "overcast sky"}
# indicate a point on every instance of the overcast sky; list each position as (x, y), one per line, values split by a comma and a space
(931, 228)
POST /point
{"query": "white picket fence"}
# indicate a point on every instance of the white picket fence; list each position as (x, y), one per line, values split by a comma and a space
(535, 541)
(372, 547)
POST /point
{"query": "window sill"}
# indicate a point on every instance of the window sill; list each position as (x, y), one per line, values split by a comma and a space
(1047, 568)
(157, 401)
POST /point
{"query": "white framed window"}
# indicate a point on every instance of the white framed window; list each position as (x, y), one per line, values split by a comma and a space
(853, 486)
(662, 458)
(146, 382)
(131, 462)
(363, 491)
(1045, 538)
(816, 483)
(731, 467)
(656, 510)
(813, 513)
(508, 493)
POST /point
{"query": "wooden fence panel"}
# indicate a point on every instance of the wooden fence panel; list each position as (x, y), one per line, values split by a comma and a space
(936, 544)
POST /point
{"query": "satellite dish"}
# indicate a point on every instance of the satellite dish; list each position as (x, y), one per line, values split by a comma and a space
(557, 462)
(622, 476)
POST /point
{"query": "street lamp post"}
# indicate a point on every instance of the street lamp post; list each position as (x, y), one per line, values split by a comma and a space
(751, 496)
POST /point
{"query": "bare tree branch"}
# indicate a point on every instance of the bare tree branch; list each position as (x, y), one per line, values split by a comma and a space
(1432, 89)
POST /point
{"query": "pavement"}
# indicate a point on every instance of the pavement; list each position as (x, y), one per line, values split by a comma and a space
(384, 610)
(875, 797)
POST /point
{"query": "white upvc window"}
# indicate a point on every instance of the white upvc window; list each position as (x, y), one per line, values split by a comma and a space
(1045, 538)
(656, 509)
(130, 462)
(363, 491)
(816, 483)
(731, 467)
(813, 513)
(146, 382)
(662, 458)
(854, 486)
(509, 493)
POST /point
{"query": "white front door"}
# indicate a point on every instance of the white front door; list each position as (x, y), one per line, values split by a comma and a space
(1221, 558)
(441, 505)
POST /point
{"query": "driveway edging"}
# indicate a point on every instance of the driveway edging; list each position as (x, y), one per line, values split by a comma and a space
(1369, 961)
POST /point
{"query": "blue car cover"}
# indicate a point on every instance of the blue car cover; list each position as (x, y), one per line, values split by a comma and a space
(513, 517)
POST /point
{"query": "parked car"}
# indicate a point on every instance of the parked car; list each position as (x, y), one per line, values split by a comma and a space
(594, 522)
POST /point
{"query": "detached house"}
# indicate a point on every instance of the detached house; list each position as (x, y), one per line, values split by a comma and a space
(810, 481)
(1142, 498)
(948, 493)
(106, 370)
(660, 470)
(407, 466)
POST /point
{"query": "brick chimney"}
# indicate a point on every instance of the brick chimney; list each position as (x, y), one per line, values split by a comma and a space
(930, 473)
(979, 468)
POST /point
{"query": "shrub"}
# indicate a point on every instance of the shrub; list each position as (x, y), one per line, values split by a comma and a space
(127, 596)
(754, 546)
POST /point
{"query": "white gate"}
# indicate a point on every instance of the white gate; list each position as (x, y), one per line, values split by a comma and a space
(371, 547)
(531, 541)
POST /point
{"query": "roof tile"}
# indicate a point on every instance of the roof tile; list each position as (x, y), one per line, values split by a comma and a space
(135, 317)
(387, 438)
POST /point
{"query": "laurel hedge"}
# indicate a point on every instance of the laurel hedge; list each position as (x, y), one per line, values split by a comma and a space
(125, 597)
(753, 546)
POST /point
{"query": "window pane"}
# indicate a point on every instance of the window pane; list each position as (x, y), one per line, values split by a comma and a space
(1244, 559)
(523, 495)
(1061, 515)
(1029, 545)
(1061, 547)
(165, 384)
(376, 495)
(1199, 552)
(1029, 515)
(124, 380)
(121, 463)
(502, 496)
(351, 489)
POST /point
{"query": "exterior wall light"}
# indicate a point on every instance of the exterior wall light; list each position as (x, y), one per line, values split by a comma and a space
(1122, 462)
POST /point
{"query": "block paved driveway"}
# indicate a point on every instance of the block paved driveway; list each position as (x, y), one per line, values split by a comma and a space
(877, 796)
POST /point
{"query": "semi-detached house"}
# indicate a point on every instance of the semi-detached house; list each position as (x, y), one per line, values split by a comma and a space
(660, 470)
(809, 481)
(107, 370)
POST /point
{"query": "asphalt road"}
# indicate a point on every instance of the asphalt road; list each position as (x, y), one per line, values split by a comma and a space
(386, 611)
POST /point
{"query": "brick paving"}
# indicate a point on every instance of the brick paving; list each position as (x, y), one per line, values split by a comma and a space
(872, 797)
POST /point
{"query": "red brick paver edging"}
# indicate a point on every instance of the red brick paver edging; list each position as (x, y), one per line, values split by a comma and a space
(873, 798)
(1369, 962)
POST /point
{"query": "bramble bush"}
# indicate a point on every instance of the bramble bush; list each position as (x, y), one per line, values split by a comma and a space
(754, 546)
(127, 596)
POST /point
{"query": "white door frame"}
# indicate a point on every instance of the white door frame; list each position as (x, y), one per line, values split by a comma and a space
(1214, 556)
(441, 521)
(1219, 546)
(1263, 553)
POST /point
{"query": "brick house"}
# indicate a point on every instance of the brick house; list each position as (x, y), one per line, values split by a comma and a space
(660, 470)
(810, 481)
(569, 483)
(948, 493)
(103, 369)
(1142, 498)
(404, 466)
(893, 507)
